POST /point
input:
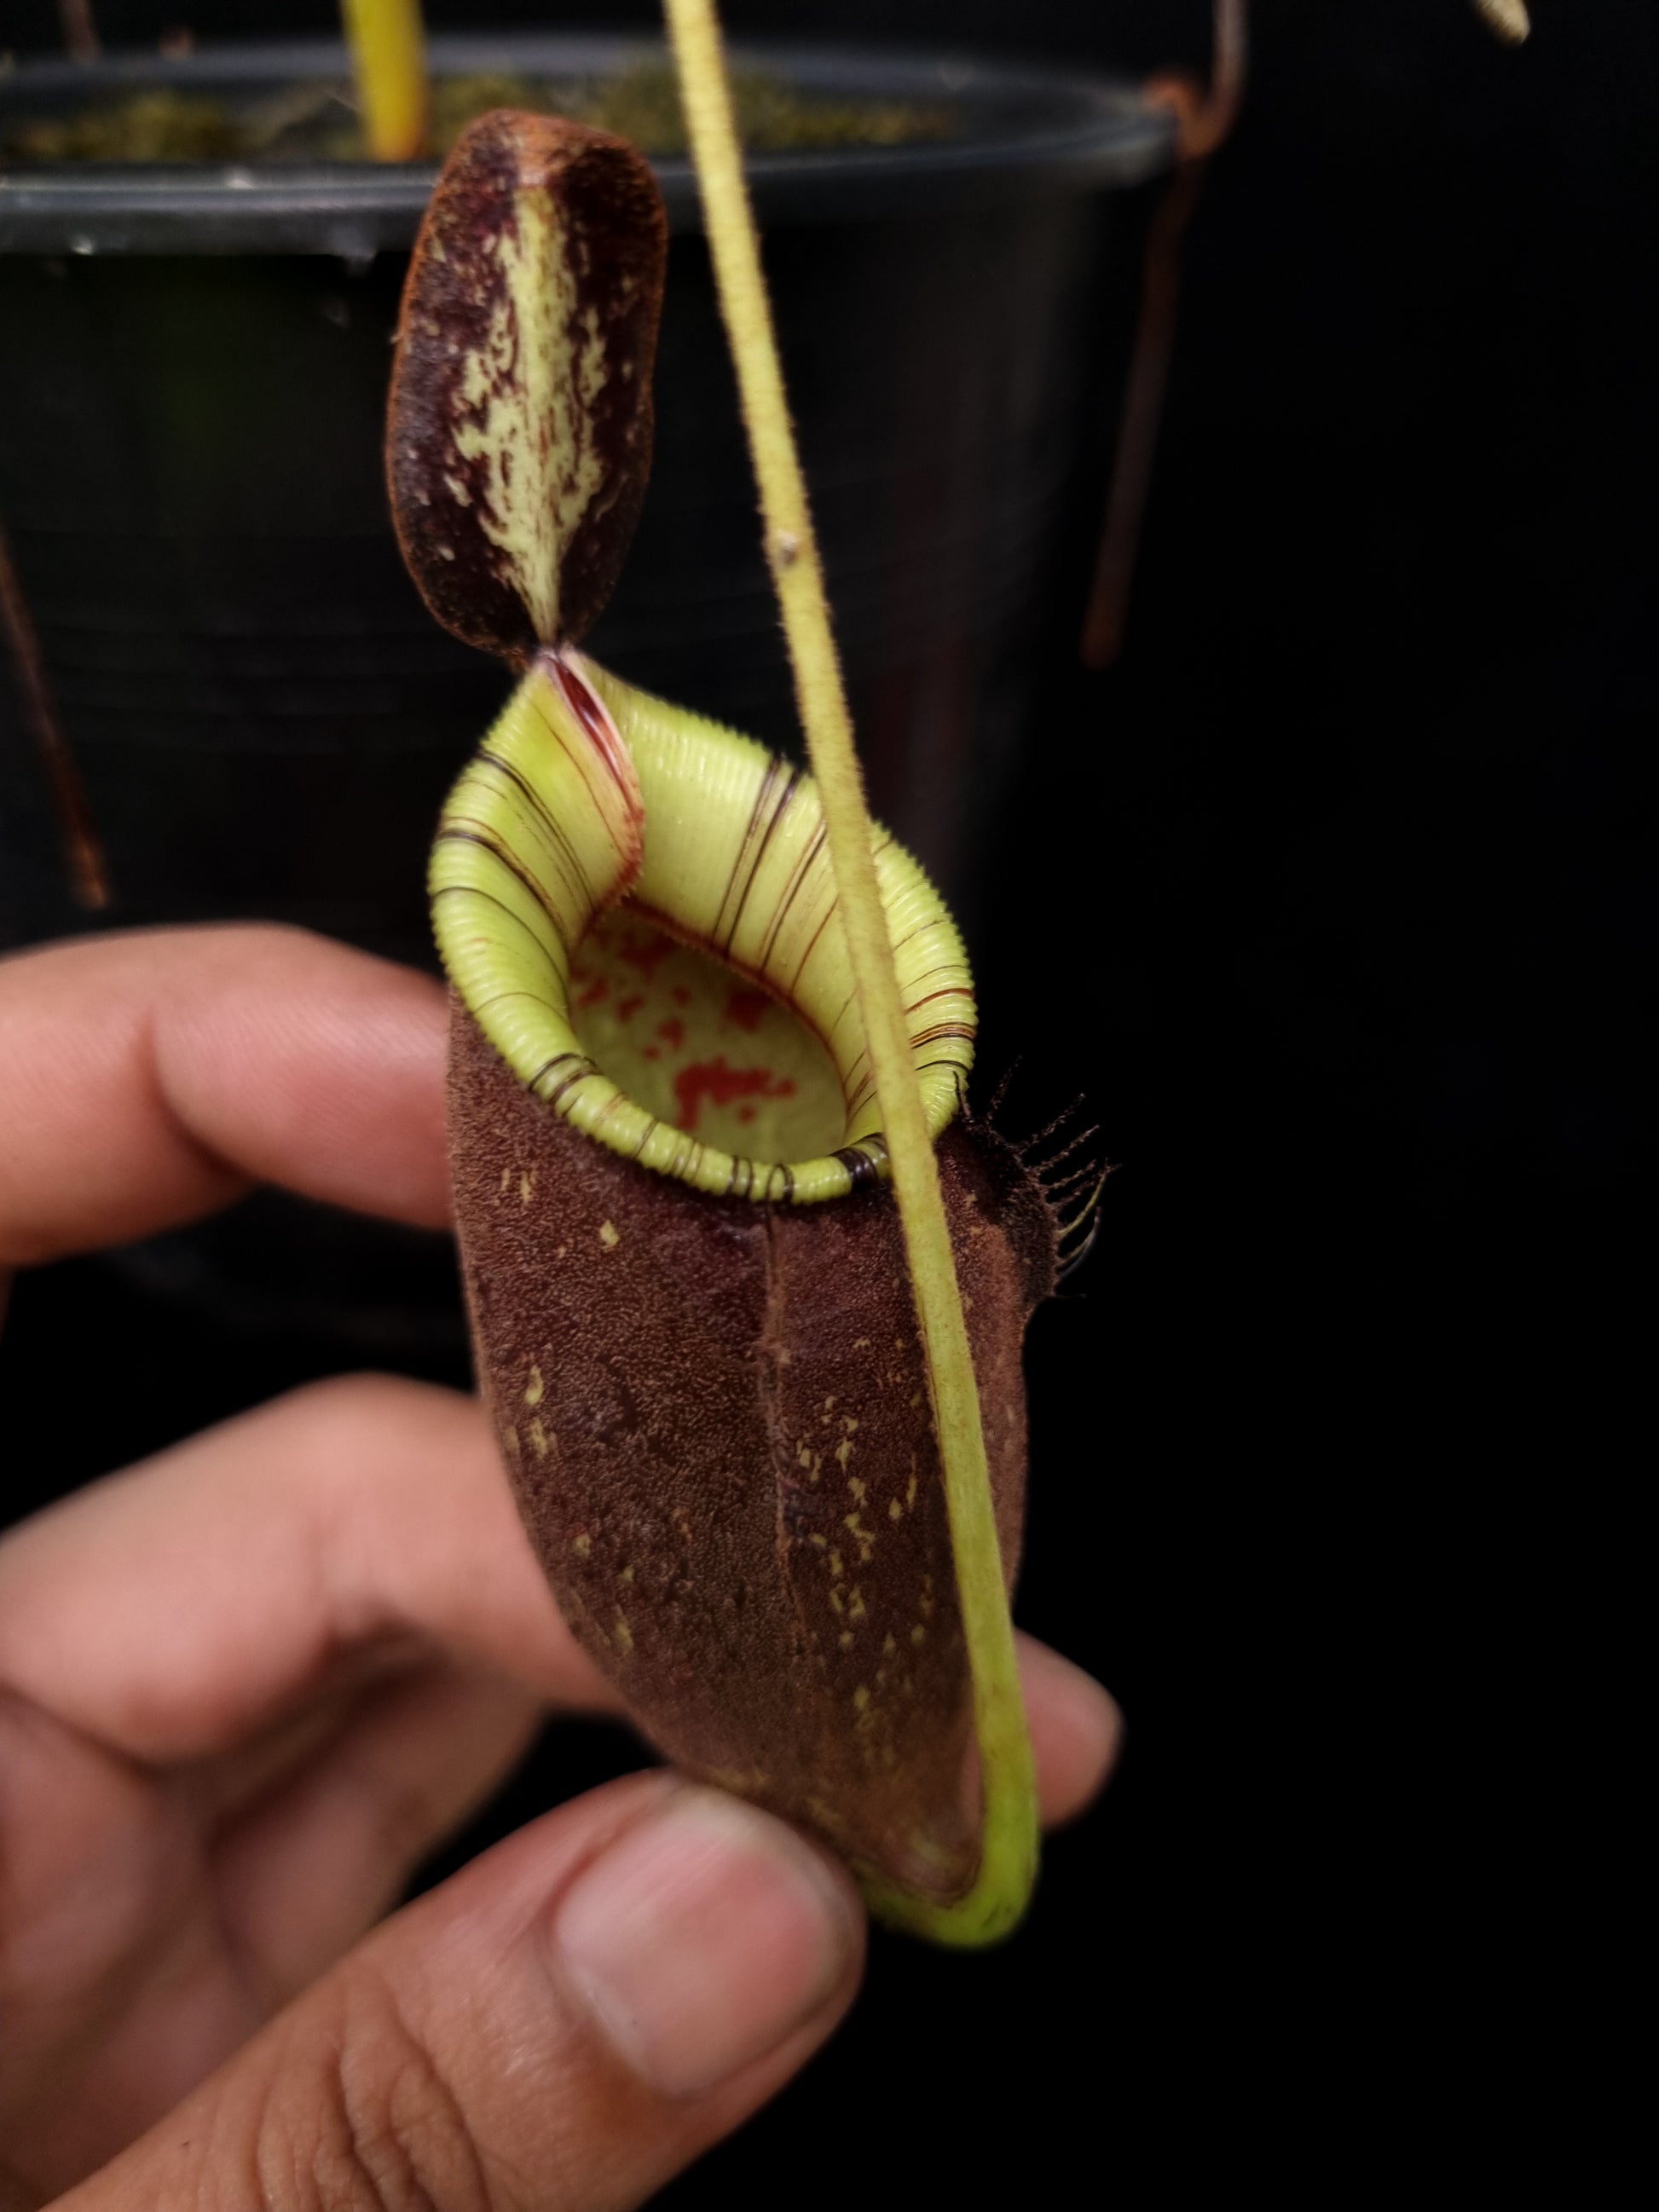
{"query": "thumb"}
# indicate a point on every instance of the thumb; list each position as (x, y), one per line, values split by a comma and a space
(567, 2021)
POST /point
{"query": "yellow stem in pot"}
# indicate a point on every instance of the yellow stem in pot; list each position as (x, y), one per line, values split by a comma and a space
(1009, 1821)
(388, 54)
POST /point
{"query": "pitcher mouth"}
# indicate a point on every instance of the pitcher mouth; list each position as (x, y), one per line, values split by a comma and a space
(637, 907)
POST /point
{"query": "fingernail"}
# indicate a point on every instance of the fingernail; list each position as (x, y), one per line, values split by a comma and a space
(704, 1936)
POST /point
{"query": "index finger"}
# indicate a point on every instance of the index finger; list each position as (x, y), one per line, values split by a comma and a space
(148, 1078)
(173, 1610)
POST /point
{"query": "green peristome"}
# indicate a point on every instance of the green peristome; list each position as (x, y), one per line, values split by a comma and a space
(588, 793)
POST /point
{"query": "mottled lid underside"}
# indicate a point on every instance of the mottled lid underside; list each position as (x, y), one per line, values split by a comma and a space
(519, 434)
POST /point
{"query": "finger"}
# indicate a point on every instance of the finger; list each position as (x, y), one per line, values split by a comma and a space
(571, 2019)
(137, 1949)
(185, 1606)
(304, 1870)
(148, 1078)
(1077, 1731)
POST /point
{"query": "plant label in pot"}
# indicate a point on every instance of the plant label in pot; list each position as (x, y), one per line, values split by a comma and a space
(684, 1263)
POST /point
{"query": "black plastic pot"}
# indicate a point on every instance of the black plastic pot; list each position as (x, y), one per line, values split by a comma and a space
(193, 365)
(192, 374)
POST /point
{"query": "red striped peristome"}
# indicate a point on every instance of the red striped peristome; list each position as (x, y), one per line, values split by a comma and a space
(589, 798)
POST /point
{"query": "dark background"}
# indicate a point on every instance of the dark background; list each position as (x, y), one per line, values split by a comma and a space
(1329, 896)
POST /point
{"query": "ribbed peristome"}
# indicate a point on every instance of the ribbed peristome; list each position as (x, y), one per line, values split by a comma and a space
(637, 907)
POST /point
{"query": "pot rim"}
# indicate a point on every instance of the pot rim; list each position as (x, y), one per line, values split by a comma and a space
(1042, 133)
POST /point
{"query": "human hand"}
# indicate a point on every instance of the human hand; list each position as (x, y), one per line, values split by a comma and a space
(246, 1686)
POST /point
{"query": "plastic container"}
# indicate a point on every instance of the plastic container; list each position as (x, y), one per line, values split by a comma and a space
(193, 367)
(192, 375)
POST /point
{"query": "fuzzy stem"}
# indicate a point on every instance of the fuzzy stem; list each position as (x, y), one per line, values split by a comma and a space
(1009, 1829)
(1204, 118)
(388, 52)
(83, 853)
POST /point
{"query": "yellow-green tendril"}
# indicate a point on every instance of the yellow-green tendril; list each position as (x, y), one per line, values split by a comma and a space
(1009, 1822)
(388, 54)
